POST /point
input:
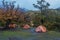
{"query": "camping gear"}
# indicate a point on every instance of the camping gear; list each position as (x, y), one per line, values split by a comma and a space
(41, 28)
(26, 26)
(12, 25)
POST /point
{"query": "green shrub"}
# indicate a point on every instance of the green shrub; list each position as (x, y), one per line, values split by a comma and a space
(2, 24)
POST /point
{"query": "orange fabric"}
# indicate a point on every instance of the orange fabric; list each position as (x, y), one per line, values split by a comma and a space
(26, 26)
(38, 29)
(41, 29)
(12, 25)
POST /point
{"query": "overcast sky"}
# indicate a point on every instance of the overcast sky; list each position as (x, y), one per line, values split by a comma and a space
(28, 3)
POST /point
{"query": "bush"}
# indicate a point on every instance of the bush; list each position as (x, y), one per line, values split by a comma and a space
(1, 23)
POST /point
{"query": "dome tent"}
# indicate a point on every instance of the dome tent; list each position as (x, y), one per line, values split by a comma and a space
(26, 26)
(41, 28)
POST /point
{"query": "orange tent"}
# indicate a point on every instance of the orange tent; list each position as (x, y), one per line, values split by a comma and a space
(41, 28)
(12, 25)
(26, 26)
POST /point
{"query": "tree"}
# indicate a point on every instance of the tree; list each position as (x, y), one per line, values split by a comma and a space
(42, 5)
(9, 11)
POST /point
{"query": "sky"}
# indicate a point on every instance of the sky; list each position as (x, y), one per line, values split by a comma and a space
(28, 3)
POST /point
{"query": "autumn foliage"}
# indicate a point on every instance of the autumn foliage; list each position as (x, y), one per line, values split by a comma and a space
(9, 11)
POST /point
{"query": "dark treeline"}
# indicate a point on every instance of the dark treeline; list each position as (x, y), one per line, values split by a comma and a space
(48, 17)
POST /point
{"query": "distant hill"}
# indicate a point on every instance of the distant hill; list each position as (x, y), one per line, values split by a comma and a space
(23, 9)
(58, 8)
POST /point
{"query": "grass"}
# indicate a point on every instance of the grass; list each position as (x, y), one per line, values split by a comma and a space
(15, 33)
(53, 33)
(4, 35)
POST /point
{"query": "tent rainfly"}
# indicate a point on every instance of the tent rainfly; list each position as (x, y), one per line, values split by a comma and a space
(26, 26)
(41, 28)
